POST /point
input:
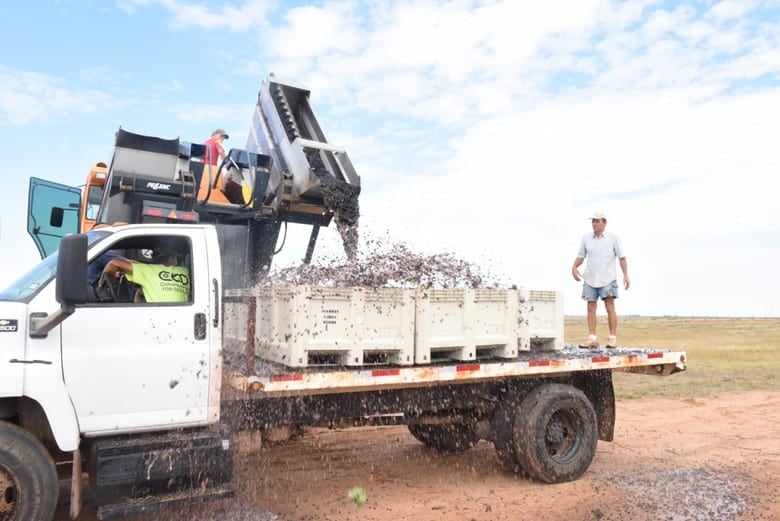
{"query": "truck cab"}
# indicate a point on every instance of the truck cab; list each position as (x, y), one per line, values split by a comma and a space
(82, 365)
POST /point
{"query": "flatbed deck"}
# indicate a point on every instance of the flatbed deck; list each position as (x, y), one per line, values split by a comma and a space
(287, 381)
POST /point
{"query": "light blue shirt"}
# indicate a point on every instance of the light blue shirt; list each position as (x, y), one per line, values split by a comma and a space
(601, 254)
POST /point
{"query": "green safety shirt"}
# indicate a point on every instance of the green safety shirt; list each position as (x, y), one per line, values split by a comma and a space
(162, 283)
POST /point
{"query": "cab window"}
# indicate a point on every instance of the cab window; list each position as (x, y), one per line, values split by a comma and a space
(143, 270)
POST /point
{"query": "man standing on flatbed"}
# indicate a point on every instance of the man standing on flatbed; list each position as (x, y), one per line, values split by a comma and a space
(601, 249)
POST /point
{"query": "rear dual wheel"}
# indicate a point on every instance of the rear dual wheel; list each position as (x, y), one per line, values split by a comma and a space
(550, 436)
(444, 437)
(503, 435)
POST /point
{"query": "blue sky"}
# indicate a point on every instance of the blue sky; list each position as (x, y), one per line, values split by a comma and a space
(487, 129)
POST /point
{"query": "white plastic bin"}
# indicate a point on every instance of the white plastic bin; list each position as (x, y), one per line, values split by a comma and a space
(545, 320)
(301, 326)
(465, 324)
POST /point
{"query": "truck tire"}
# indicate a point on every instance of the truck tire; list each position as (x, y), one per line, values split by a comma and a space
(555, 433)
(28, 477)
(503, 425)
(446, 437)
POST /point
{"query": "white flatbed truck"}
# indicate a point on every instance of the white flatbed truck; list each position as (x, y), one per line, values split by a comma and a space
(146, 398)
(137, 394)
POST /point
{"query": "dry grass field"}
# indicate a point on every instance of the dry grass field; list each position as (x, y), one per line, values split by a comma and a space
(725, 355)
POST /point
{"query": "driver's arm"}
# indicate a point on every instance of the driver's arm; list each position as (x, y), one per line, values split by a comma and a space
(117, 266)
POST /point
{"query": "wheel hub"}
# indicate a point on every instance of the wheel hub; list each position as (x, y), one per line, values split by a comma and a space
(558, 435)
(8, 495)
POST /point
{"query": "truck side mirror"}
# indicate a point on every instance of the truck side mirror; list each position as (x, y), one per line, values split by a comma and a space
(71, 286)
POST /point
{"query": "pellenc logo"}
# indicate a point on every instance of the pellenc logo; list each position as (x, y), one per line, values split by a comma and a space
(8, 326)
(158, 186)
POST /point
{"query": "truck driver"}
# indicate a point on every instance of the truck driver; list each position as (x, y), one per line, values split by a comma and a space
(161, 281)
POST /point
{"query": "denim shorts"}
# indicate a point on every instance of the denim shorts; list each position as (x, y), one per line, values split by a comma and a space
(592, 294)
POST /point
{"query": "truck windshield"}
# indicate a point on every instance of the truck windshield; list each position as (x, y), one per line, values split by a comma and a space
(23, 289)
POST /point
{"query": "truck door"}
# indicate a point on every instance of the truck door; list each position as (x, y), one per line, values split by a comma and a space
(52, 213)
(134, 365)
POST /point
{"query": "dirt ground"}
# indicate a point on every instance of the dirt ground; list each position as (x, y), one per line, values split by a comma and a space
(672, 459)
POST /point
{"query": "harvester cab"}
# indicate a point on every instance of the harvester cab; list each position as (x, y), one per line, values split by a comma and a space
(288, 173)
(164, 180)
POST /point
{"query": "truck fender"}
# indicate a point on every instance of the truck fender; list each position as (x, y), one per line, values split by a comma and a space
(60, 414)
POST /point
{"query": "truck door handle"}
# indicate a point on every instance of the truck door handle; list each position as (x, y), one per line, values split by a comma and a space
(216, 302)
(200, 326)
(17, 361)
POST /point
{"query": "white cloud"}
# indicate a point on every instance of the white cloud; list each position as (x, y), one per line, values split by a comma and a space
(420, 57)
(131, 6)
(311, 32)
(249, 15)
(27, 97)
(170, 86)
(99, 75)
(731, 9)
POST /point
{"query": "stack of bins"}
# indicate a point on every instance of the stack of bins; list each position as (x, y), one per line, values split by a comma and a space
(302, 326)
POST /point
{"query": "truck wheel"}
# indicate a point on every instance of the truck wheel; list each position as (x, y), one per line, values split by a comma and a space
(446, 437)
(555, 433)
(503, 425)
(28, 478)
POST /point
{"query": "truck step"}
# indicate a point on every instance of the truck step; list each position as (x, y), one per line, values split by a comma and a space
(154, 503)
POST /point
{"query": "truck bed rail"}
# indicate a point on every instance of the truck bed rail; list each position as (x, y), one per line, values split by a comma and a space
(286, 381)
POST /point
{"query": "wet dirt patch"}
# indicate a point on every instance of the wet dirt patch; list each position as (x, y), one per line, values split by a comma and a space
(689, 494)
